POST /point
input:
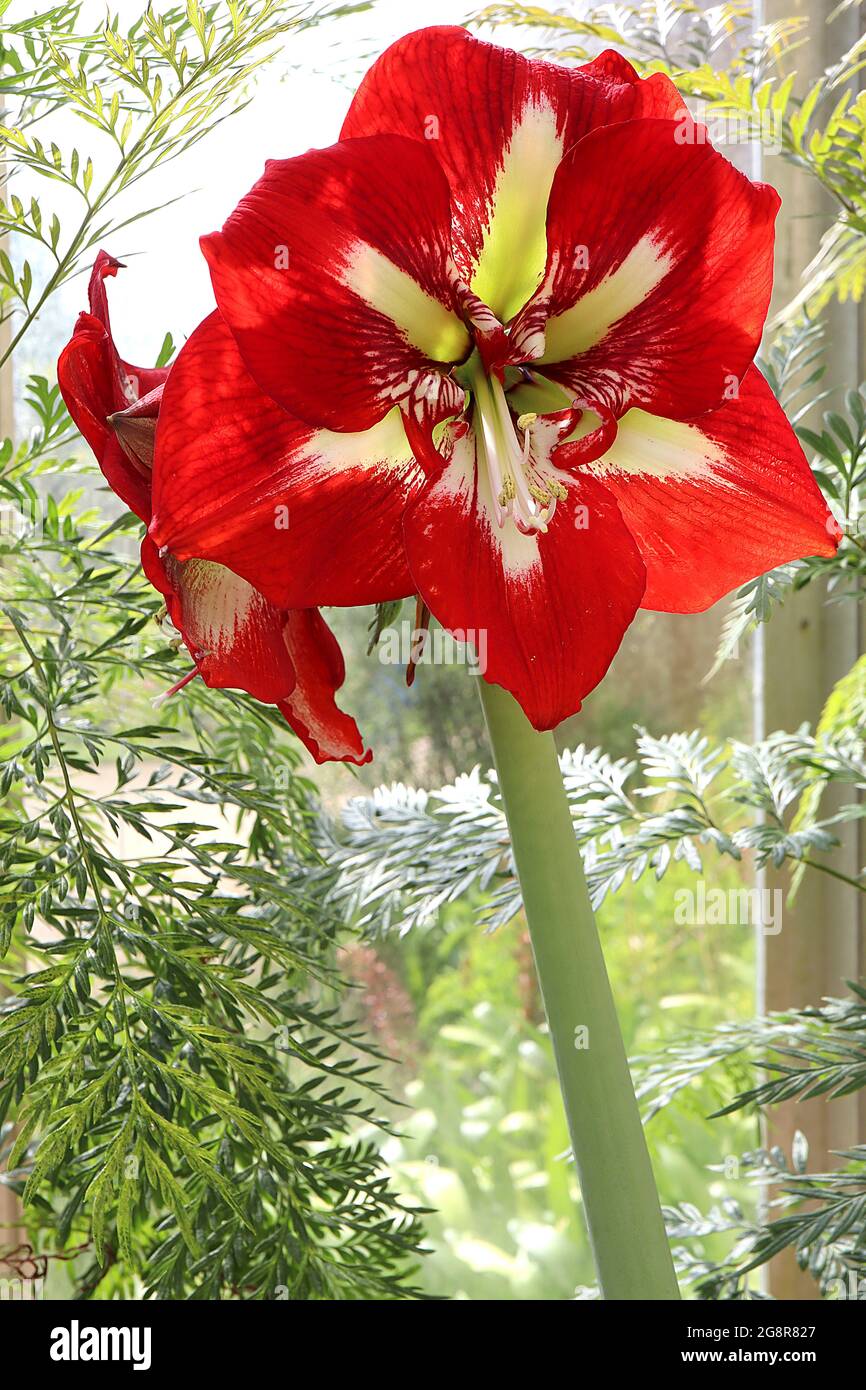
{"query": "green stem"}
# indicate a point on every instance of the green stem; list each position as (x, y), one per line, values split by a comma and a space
(622, 1209)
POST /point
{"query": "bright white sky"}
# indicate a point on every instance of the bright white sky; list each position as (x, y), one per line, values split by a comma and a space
(299, 103)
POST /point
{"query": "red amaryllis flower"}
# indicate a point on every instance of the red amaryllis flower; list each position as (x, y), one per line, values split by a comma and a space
(237, 639)
(494, 347)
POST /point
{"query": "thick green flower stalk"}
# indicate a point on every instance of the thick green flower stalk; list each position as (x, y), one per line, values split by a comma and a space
(619, 1195)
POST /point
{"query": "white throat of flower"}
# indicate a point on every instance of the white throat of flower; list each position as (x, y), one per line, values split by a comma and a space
(522, 485)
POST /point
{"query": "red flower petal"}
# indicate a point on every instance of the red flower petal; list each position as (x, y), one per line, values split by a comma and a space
(663, 302)
(87, 376)
(130, 383)
(84, 374)
(235, 637)
(239, 641)
(305, 515)
(95, 383)
(545, 613)
(328, 733)
(499, 124)
(715, 502)
(130, 484)
(333, 275)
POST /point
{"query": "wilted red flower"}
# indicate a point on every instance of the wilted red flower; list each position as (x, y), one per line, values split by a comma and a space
(494, 347)
(237, 639)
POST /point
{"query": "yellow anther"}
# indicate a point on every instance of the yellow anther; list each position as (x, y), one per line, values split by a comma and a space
(524, 421)
(509, 491)
(541, 495)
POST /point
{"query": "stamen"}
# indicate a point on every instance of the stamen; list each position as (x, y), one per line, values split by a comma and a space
(508, 493)
(521, 490)
(541, 494)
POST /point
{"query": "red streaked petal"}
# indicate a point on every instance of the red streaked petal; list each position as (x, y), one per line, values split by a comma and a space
(239, 641)
(329, 734)
(717, 501)
(306, 515)
(499, 124)
(333, 275)
(545, 612)
(235, 637)
(663, 303)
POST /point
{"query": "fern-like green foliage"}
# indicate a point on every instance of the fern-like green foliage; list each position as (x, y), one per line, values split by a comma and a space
(171, 1051)
(756, 1064)
(396, 858)
(818, 1215)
